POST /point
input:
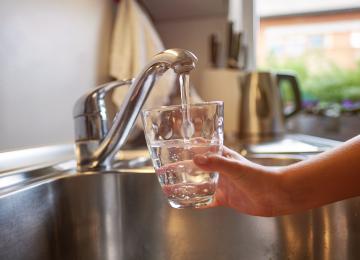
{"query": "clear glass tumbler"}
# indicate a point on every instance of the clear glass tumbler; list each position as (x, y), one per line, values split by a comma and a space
(174, 135)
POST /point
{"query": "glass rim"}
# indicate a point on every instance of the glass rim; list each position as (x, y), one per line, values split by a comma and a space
(171, 107)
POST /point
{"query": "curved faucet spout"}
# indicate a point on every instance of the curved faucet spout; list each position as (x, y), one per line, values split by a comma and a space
(100, 157)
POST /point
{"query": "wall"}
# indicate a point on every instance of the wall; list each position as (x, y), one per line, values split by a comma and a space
(193, 34)
(51, 52)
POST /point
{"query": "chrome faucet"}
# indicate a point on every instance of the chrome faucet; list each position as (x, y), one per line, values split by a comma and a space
(98, 139)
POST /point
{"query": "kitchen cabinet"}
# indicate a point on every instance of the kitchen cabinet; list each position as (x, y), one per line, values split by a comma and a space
(180, 9)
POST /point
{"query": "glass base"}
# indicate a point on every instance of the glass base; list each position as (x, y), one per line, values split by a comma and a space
(191, 203)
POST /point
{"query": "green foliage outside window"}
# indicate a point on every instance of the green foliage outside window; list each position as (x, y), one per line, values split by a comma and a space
(326, 83)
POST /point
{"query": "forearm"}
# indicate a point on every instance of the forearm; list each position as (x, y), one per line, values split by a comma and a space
(328, 177)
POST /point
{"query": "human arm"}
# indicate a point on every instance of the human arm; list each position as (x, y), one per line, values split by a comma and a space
(265, 191)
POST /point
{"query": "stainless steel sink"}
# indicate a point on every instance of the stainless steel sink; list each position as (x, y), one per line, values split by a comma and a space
(125, 216)
(53, 212)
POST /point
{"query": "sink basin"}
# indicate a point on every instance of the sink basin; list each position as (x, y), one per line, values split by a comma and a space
(49, 211)
(125, 216)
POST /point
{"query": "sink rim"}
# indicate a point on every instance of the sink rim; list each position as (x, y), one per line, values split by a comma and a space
(33, 166)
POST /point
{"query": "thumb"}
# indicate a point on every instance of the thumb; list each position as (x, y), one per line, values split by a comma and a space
(218, 163)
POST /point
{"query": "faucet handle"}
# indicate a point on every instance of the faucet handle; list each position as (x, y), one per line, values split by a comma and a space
(91, 119)
(91, 102)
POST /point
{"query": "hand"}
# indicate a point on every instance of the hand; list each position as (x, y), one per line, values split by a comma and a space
(264, 191)
(245, 186)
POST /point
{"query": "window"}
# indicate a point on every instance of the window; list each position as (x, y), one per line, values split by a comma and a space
(355, 40)
(319, 40)
(316, 41)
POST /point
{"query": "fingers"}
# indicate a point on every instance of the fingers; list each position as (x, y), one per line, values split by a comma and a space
(227, 152)
(218, 163)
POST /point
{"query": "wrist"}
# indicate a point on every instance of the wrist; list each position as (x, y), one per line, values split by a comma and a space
(282, 198)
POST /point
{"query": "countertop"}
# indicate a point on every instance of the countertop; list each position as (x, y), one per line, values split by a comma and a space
(340, 128)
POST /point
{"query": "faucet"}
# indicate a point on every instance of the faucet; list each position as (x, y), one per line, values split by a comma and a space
(97, 139)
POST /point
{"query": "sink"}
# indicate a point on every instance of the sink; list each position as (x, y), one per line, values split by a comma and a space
(54, 212)
(125, 216)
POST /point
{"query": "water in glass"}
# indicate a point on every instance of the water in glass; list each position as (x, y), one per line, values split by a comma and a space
(182, 181)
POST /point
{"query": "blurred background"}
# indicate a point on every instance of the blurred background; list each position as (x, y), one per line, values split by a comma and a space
(320, 41)
(317, 39)
(52, 52)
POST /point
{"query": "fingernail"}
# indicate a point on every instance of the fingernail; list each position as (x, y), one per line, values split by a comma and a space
(201, 159)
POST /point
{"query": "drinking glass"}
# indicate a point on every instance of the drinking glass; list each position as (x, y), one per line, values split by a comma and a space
(174, 135)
